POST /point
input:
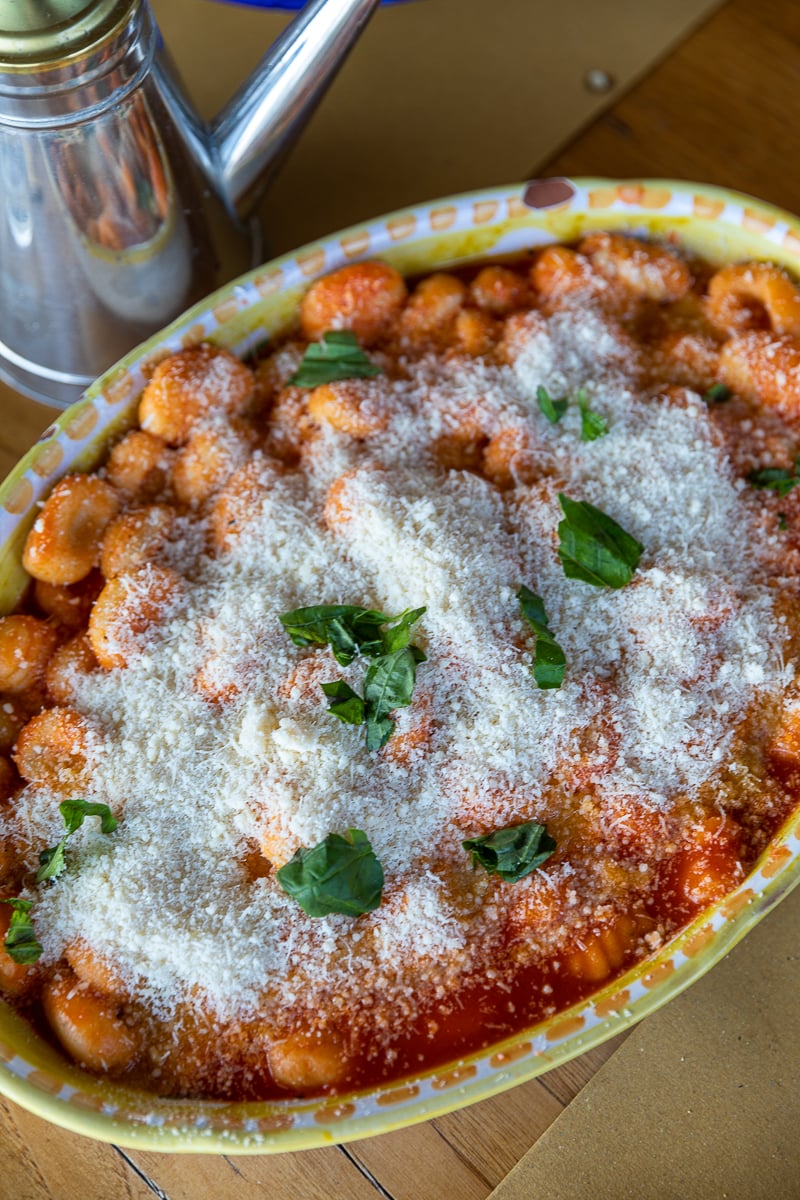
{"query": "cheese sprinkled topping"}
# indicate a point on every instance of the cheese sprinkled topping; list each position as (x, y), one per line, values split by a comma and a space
(216, 739)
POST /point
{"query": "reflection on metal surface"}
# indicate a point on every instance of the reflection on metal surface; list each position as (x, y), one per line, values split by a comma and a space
(129, 233)
(114, 179)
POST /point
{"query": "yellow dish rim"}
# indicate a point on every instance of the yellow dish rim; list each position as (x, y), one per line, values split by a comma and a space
(717, 223)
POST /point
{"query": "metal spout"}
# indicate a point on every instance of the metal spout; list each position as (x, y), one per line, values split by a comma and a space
(243, 147)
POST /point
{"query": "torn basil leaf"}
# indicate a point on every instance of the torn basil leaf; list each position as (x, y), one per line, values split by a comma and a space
(349, 630)
(397, 635)
(780, 480)
(718, 393)
(513, 852)
(339, 875)
(389, 679)
(550, 408)
(336, 356)
(346, 628)
(549, 663)
(593, 547)
(593, 426)
(75, 811)
(52, 861)
(20, 941)
(345, 704)
(388, 684)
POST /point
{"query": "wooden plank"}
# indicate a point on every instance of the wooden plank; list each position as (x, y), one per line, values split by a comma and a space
(419, 1162)
(43, 1162)
(307, 1175)
(715, 111)
(23, 421)
(491, 1137)
(703, 1099)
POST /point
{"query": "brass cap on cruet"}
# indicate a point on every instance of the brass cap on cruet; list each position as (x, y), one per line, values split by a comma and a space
(46, 33)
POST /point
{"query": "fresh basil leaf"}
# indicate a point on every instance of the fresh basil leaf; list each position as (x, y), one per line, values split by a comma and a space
(513, 852)
(549, 663)
(74, 812)
(20, 941)
(593, 547)
(388, 684)
(348, 629)
(780, 480)
(593, 426)
(337, 356)
(347, 705)
(552, 409)
(718, 393)
(389, 681)
(339, 875)
(52, 861)
(379, 730)
(396, 637)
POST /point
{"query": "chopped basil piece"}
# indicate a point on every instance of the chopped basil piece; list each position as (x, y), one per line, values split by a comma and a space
(337, 356)
(52, 861)
(549, 662)
(340, 875)
(20, 942)
(593, 426)
(513, 852)
(593, 547)
(346, 704)
(349, 630)
(780, 480)
(397, 635)
(388, 684)
(74, 812)
(552, 409)
(782, 521)
(389, 680)
(718, 393)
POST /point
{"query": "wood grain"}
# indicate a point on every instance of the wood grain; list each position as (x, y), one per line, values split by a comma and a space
(21, 423)
(43, 1162)
(310, 1175)
(718, 110)
(437, 97)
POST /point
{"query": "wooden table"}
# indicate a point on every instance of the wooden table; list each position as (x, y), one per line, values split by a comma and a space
(719, 109)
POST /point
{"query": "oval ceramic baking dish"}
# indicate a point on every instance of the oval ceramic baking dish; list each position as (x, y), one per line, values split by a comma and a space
(719, 225)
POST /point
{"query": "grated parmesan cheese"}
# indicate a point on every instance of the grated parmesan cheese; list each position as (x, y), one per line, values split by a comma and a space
(660, 677)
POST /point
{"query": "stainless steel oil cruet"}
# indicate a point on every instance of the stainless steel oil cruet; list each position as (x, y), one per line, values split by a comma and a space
(119, 206)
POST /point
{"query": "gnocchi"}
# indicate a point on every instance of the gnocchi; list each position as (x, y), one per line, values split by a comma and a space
(383, 762)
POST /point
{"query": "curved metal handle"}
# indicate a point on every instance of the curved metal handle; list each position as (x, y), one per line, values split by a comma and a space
(255, 130)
